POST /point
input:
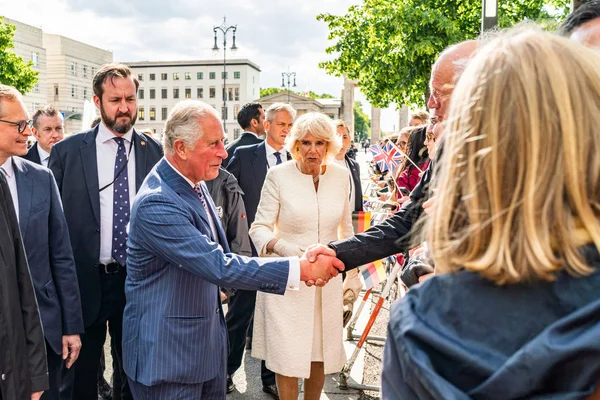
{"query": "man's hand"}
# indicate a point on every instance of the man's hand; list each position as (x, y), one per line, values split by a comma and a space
(319, 271)
(36, 395)
(314, 250)
(71, 344)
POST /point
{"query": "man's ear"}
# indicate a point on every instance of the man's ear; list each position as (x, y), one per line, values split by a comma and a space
(267, 125)
(180, 149)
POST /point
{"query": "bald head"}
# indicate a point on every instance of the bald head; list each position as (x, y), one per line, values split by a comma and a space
(445, 72)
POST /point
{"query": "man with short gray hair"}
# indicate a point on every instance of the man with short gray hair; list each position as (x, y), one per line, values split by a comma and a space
(48, 129)
(174, 336)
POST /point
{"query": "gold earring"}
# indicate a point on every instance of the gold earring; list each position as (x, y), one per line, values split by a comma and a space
(297, 149)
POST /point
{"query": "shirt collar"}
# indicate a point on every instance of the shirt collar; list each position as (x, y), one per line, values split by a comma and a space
(271, 150)
(43, 153)
(104, 134)
(192, 184)
(8, 167)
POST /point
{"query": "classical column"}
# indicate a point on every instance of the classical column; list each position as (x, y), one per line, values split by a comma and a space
(348, 104)
(375, 124)
(402, 117)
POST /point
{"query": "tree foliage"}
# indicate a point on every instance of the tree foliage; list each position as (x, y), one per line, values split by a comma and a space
(269, 91)
(362, 123)
(13, 70)
(389, 46)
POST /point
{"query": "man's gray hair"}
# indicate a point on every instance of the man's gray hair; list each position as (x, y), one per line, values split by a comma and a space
(8, 93)
(276, 107)
(184, 123)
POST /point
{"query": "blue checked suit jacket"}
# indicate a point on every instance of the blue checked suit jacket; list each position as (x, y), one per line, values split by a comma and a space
(173, 326)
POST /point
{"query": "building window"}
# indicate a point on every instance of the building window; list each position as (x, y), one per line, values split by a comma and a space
(140, 77)
(85, 93)
(152, 77)
(175, 93)
(141, 113)
(36, 88)
(93, 71)
(236, 75)
(164, 113)
(56, 90)
(35, 58)
(236, 110)
(175, 76)
(84, 70)
(237, 94)
(163, 93)
(253, 79)
(211, 92)
(141, 94)
(224, 75)
(74, 91)
(188, 93)
(230, 92)
(163, 76)
(200, 93)
(152, 114)
(152, 93)
(212, 75)
(199, 75)
(236, 133)
(188, 76)
(74, 68)
(224, 113)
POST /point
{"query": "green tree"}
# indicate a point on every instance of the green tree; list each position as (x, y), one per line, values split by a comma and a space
(389, 46)
(362, 123)
(13, 70)
(269, 91)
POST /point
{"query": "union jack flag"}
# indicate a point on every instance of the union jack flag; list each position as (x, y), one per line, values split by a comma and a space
(393, 156)
(379, 157)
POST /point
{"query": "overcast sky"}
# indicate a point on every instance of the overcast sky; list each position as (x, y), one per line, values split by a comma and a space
(278, 35)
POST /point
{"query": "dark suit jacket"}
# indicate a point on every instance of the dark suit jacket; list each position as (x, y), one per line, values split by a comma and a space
(393, 235)
(46, 239)
(73, 162)
(355, 173)
(247, 139)
(22, 349)
(33, 155)
(173, 325)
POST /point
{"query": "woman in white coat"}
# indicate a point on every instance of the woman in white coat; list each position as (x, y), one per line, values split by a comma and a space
(303, 201)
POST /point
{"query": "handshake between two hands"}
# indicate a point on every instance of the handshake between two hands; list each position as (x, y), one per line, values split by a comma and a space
(318, 265)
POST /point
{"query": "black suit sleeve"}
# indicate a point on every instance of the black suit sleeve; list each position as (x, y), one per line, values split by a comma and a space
(55, 165)
(394, 235)
(34, 336)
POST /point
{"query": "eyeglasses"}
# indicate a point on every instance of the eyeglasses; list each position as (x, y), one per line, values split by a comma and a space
(21, 124)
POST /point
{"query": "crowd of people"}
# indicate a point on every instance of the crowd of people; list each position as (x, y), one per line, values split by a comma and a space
(109, 229)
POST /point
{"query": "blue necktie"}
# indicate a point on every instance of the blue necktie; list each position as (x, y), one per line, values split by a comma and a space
(278, 157)
(120, 205)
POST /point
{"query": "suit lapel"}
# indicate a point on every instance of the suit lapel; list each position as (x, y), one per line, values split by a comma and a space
(222, 239)
(6, 242)
(259, 165)
(140, 145)
(24, 194)
(182, 188)
(35, 154)
(89, 161)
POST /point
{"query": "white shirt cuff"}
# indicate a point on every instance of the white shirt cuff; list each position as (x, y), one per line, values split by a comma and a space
(293, 282)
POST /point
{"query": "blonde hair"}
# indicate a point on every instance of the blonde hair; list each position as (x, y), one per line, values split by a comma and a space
(318, 125)
(520, 171)
(420, 114)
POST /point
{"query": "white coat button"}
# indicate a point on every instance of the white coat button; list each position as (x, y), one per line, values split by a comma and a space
(3, 377)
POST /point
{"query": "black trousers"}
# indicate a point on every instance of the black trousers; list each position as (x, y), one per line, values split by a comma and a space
(61, 378)
(92, 341)
(240, 313)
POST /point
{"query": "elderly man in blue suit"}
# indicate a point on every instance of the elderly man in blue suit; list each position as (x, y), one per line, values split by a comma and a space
(174, 334)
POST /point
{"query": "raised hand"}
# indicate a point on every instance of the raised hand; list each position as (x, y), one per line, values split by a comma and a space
(319, 271)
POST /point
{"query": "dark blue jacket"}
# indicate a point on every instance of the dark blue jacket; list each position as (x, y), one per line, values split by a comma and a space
(459, 336)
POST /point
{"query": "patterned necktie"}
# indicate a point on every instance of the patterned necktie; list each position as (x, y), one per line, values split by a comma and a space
(278, 157)
(120, 205)
(201, 196)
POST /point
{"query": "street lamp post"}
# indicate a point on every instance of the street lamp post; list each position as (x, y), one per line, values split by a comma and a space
(224, 29)
(489, 14)
(288, 75)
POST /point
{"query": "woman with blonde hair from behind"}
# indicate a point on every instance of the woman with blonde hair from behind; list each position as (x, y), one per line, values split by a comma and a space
(514, 309)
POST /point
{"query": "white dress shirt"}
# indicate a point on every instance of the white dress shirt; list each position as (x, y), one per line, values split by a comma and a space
(293, 282)
(12, 183)
(44, 155)
(271, 159)
(106, 152)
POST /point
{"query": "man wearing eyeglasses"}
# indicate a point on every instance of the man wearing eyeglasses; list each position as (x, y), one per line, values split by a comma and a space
(48, 129)
(23, 370)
